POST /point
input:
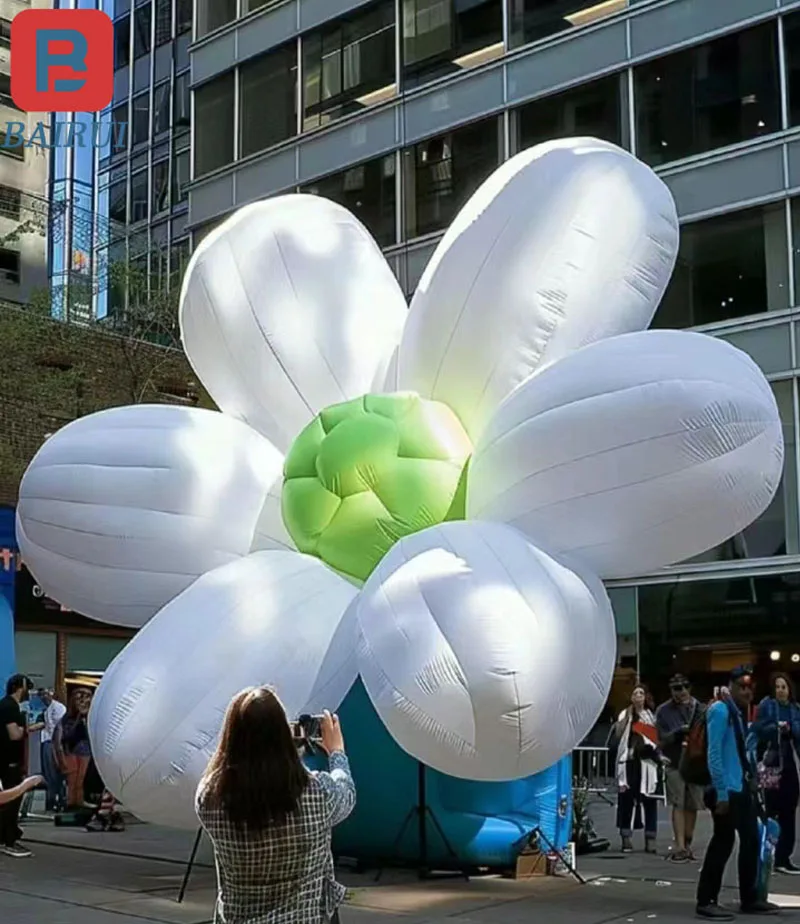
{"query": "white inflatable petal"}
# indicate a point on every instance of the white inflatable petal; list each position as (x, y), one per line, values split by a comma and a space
(286, 308)
(565, 244)
(268, 618)
(633, 453)
(339, 671)
(486, 658)
(120, 511)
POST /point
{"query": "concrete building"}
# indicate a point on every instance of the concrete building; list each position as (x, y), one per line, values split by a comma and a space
(398, 109)
(24, 177)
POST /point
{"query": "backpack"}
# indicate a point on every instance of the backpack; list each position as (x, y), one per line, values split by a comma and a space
(693, 766)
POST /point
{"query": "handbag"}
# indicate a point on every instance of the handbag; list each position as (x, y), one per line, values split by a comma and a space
(770, 768)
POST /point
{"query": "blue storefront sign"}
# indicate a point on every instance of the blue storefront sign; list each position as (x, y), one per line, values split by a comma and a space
(9, 562)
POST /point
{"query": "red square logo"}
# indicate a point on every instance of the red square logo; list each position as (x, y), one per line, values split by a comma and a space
(62, 60)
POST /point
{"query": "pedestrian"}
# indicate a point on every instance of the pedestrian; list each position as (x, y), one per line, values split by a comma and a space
(775, 739)
(270, 819)
(72, 748)
(638, 771)
(732, 799)
(54, 712)
(12, 762)
(674, 718)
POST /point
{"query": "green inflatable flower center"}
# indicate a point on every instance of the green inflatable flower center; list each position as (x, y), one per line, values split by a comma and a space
(365, 473)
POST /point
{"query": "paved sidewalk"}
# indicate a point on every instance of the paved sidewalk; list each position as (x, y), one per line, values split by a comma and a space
(134, 878)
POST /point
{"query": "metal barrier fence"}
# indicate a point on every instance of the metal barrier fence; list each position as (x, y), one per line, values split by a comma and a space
(594, 766)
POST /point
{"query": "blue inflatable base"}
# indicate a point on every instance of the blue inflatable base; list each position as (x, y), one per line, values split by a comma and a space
(485, 824)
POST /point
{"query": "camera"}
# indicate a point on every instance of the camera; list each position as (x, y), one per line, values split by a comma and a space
(307, 733)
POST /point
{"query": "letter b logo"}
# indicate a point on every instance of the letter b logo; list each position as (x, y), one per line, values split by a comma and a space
(62, 60)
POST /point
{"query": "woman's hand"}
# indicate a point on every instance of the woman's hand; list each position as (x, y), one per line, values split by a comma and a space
(32, 782)
(331, 731)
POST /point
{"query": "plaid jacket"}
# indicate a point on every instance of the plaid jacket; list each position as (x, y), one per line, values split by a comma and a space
(282, 875)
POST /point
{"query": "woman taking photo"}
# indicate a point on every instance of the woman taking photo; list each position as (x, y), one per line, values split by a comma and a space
(270, 819)
(639, 774)
(775, 738)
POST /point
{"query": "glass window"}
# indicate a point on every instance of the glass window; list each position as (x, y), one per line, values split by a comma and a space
(214, 14)
(271, 77)
(442, 173)
(139, 197)
(708, 96)
(706, 628)
(117, 202)
(142, 22)
(92, 652)
(5, 33)
(182, 115)
(35, 656)
(728, 267)
(119, 133)
(5, 91)
(163, 21)
(530, 20)
(160, 187)
(791, 43)
(141, 118)
(122, 42)
(10, 202)
(213, 137)
(444, 36)
(180, 178)
(161, 114)
(348, 65)
(368, 191)
(183, 17)
(9, 266)
(594, 109)
(17, 152)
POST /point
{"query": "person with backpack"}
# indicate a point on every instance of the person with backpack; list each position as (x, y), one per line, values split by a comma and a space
(674, 719)
(732, 798)
(775, 739)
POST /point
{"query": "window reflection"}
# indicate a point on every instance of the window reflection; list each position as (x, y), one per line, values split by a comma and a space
(214, 14)
(117, 202)
(161, 115)
(728, 267)
(368, 191)
(268, 91)
(140, 132)
(442, 173)
(160, 187)
(444, 36)
(349, 65)
(122, 42)
(530, 20)
(142, 21)
(708, 96)
(214, 124)
(594, 110)
(139, 197)
(705, 628)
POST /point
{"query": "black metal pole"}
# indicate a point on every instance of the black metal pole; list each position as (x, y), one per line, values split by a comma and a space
(189, 865)
(422, 808)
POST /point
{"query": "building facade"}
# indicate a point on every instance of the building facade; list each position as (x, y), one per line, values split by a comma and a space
(24, 178)
(143, 173)
(399, 109)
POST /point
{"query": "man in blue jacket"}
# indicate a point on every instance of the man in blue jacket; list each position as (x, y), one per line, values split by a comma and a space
(732, 800)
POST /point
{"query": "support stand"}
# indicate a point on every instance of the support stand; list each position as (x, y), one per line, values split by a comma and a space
(422, 812)
(189, 865)
(538, 836)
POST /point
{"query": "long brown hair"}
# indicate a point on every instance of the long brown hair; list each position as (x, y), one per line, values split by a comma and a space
(255, 776)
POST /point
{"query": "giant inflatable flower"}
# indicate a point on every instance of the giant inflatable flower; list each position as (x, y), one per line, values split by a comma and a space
(428, 497)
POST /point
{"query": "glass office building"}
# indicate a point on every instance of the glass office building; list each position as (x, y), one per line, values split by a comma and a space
(143, 172)
(399, 109)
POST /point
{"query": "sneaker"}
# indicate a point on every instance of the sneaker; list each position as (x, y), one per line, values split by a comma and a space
(787, 869)
(760, 908)
(17, 851)
(713, 912)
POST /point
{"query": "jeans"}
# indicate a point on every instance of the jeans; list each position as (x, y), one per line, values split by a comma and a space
(740, 819)
(782, 806)
(56, 790)
(10, 776)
